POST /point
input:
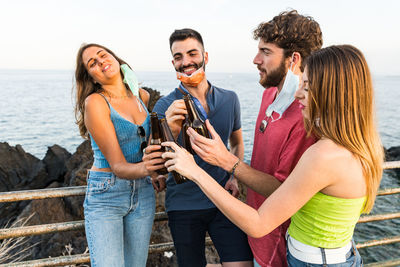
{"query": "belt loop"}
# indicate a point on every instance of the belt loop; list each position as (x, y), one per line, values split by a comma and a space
(323, 257)
(87, 175)
(353, 247)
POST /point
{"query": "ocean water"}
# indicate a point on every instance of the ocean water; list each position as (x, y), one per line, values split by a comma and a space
(37, 112)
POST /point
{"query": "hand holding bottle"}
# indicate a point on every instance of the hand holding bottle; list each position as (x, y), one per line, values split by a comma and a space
(212, 151)
(180, 160)
(152, 158)
(175, 115)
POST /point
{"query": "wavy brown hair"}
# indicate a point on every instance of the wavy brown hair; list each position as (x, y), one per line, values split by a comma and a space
(292, 32)
(341, 108)
(85, 86)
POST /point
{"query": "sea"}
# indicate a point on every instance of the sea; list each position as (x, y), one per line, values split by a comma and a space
(37, 111)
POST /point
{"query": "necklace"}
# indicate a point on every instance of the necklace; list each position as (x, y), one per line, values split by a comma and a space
(111, 95)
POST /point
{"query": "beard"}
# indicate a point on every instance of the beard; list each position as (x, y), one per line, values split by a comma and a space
(195, 65)
(274, 77)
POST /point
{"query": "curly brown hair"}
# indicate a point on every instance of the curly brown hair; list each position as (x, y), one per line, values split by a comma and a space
(292, 32)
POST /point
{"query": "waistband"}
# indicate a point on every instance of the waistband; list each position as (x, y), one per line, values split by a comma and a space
(316, 255)
(102, 175)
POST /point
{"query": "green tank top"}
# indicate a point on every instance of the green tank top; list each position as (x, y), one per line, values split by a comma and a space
(326, 221)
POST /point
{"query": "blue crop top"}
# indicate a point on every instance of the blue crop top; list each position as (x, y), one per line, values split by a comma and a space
(128, 138)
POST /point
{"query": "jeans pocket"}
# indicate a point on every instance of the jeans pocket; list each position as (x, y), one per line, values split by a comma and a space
(98, 185)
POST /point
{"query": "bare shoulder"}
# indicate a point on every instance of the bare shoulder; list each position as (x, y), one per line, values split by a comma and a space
(326, 154)
(334, 160)
(95, 102)
(326, 149)
(145, 96)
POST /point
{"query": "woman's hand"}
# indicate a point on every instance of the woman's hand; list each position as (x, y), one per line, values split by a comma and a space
(152, 159)
(212, 151)
(180, 161)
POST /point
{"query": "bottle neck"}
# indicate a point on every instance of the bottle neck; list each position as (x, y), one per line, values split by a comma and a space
(191, 109)
(167, 134)
(155, 128)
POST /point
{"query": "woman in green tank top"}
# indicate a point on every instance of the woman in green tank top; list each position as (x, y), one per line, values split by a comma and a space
(335, 180)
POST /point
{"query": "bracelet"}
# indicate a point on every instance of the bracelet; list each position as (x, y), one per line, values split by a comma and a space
(232, 172)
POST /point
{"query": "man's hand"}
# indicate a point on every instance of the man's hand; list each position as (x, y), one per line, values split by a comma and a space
(212, 151)
(175, 115)
(232, 186)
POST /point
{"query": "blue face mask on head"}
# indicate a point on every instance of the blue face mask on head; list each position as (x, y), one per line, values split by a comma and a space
(285, 96)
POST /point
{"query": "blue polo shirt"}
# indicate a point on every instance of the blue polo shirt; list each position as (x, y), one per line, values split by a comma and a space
(224, 115)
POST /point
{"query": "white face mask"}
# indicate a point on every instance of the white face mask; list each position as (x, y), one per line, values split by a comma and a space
(285, 96)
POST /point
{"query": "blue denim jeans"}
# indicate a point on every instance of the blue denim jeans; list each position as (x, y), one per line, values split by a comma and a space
(119, 215)
(353, 260)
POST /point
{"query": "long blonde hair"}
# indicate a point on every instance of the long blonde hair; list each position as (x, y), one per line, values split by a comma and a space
(341, 108)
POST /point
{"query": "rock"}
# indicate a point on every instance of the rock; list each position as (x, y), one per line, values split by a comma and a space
(55, 161)
(53, 210)
(393, 154)
(154, 96)
(78, 164)
(19, 171)
(77, 167)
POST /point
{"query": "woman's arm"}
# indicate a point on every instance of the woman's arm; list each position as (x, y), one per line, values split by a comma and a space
(100, 127)
(309, 176)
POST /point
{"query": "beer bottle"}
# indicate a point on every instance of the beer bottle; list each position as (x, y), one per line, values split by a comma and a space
(167, 136)
(156, 138)
(196, 122)
(185, 137)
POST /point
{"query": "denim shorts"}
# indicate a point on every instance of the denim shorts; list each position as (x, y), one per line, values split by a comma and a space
(119, 215)
(188, 230)
(352, 260)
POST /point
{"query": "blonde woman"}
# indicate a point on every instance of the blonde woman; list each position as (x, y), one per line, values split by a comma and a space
(335, 180)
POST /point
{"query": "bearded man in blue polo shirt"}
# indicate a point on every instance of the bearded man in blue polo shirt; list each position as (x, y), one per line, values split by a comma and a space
(190, 213)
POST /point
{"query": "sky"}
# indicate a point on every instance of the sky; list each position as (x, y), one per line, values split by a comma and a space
(46, 34)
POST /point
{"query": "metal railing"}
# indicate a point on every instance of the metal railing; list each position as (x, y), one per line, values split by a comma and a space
(159, 216)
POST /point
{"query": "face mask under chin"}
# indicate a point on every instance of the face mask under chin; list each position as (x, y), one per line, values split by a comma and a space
(193, 79)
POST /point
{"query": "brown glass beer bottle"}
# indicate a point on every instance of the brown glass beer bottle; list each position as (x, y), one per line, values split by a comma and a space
(167, 136)
(196, 122)
(156, 138)
(185, 137)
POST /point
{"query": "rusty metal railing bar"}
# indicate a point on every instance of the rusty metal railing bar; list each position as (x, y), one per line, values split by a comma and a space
(159, 216)
(56, 261)
(42, 193)
(388, 191)
(80, 191)
(389, 263)
(379, 242)
(85, 258)
(391, 164)
(379, 217)
(54, 227)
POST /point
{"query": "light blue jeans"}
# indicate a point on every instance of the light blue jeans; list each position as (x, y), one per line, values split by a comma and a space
(119, 216)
